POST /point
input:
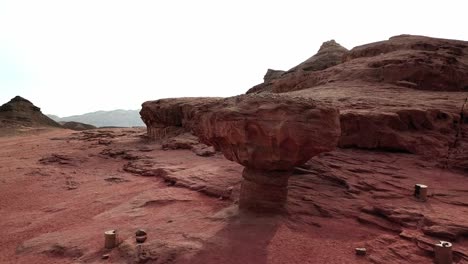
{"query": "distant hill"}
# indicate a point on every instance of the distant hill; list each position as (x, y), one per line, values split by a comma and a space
(115, 118)
(19, 112)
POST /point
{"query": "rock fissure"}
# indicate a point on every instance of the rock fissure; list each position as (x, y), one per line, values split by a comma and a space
(458, 133)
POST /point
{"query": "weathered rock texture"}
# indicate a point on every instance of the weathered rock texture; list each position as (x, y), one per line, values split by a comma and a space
(170, 117)
(408, 61)
(404, 94)
(269, 132)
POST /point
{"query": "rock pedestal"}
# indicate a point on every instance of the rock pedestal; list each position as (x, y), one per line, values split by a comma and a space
(264, 191)
(269, 135)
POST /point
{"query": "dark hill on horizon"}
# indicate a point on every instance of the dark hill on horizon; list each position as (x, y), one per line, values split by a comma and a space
(19, 112)
(114, 118)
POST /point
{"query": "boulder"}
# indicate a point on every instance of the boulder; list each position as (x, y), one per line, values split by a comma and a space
(269, 132)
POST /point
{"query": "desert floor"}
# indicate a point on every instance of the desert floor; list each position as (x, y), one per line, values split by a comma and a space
(60, 190)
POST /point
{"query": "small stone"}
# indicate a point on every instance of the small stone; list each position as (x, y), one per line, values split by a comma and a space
(361, 251)
(141, 239)
(140, 232)
(105, 256)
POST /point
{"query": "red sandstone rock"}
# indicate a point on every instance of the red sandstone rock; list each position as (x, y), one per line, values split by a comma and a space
(170, 117)
(269, 135)
(269, 132)
(404, 94)
(409, 61)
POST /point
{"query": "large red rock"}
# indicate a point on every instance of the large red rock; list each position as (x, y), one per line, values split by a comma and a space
(269, 135)
(404, 94)
(269, 132)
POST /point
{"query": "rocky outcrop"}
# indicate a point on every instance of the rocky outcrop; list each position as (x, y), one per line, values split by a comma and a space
(408, 61)
(21, 112)
(329, 54)
(403, 94)
(170, 117)
(268, 134)
(272, 74)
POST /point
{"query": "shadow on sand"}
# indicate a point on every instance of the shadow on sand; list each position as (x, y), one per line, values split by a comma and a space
(244, 240)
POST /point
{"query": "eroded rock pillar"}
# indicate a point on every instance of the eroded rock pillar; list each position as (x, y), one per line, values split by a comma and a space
(264, 191)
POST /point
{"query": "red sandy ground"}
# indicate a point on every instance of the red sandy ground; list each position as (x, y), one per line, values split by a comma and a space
(60, 190)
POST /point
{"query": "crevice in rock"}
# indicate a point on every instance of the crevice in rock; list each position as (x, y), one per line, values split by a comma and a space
(458, 134)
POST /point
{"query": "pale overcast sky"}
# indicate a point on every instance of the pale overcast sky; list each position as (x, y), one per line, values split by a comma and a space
(76, 56)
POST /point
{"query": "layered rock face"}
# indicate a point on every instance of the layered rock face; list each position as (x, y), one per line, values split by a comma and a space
(404, 94)
(268, 134)
(170, 117)
(408, 61)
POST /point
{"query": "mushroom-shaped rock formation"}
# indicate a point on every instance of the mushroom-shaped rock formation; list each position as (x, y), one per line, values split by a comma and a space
(269, 134)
